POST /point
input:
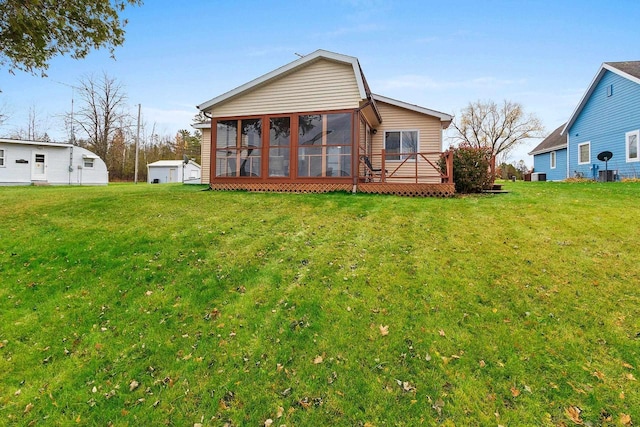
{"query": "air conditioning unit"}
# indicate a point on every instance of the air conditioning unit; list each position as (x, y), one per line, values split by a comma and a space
(606, 175)
(538, 176)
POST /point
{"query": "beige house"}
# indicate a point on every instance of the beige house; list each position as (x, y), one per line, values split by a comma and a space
(313, 125)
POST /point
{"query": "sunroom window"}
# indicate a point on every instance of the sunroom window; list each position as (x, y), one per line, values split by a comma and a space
(324, 145)
(279, 146)
(238, 153)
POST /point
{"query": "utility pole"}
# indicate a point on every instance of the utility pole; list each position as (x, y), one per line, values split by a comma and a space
(135, 179)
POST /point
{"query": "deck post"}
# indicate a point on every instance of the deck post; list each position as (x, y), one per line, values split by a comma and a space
(449, 167)
(383, 177)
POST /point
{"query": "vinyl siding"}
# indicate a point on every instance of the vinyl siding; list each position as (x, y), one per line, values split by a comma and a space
(542, 164)
(430, 140)
(205, 155)
(604, 121)
(321, 85)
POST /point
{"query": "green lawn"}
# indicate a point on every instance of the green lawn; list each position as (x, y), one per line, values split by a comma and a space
(164, 304)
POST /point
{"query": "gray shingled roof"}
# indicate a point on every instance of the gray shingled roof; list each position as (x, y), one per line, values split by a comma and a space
(630, 67)
(554, 140)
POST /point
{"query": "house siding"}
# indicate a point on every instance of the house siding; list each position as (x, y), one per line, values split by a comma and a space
(604, 121)
(205, 155)
(321, 85)
(542, 164)
(430, 140)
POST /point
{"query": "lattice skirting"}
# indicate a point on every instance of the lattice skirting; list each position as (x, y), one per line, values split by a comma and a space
(411, 190)
(284, 188)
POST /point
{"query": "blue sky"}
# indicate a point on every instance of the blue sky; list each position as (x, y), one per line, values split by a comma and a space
(440, 55)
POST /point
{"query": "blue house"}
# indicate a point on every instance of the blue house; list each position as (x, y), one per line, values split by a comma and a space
(606, 119)
(550, 156)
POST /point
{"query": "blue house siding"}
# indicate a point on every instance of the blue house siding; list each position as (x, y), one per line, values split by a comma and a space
(612, 110)
(542, 164)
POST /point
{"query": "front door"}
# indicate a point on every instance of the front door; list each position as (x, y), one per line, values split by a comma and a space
(39, 169)
(172, 175)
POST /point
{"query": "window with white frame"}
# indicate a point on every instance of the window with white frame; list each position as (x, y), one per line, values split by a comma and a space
(2, 162)
(584, 153)
(552, 160)
(632, 139)
(400, 144)
(87, 163)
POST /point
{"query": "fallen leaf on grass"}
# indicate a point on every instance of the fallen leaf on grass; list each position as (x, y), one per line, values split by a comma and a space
(133, 385)
(280, 412)
(441, 332)
(628, 366)
(515, 392)
(384, 330)
(573, 412)
(28, 408)
(317, 360)
(630, 377)
(268, 422)
(625, 420)
(438, 405)
(599, 375)
(406, 386)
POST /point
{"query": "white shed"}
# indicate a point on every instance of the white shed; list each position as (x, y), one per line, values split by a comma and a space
(42, 163)
(165, 171)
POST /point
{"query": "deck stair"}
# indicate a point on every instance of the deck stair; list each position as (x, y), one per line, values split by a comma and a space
(495, 189)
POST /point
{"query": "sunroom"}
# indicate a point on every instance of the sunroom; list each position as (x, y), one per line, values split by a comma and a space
(314, 126)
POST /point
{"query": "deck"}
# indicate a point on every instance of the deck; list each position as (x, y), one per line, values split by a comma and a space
(415, 175)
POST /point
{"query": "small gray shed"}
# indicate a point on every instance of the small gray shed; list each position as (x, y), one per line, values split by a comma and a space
(166, 171)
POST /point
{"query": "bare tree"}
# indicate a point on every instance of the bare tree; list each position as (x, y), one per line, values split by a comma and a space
(496, 127)
(102, 112)
(36, 129)
(4, 113)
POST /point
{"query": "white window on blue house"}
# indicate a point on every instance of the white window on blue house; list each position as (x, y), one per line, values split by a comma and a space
(552, 160)
(632, 140)
(584, 153)
(2, 162)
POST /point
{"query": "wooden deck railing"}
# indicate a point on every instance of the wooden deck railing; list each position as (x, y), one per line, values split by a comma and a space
(386, 174)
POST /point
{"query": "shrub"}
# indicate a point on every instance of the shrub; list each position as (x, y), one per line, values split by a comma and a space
(470, 168)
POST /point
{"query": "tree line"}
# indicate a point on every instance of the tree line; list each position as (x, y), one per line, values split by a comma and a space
(102, 123)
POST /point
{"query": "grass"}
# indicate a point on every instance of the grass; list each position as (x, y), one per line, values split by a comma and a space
(141, 305)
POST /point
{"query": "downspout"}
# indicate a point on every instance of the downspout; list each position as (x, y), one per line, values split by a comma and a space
(568, 155)
(211, 150)
(355, 149)
(70, 163)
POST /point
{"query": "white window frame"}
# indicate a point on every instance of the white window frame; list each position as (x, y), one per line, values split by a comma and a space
(588, 161)
(3, 158)
(552, 160)
(90, 159)
(402, 154)
(626, 145)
